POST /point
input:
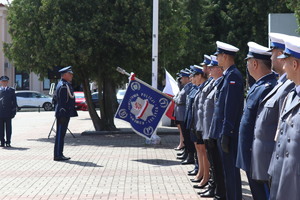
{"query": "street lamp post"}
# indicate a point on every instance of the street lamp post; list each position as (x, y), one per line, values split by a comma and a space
(155, 43)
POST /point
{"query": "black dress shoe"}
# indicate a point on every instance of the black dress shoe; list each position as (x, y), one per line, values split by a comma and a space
(188, 161)
(203, 191)
(2, 145)
(61, 158)
(178, 149)
(219, 198)
(183, 156)
(200, 186)
(196, 180)
(209, 193)
(8, 145)
(193, 173)
(180, 153)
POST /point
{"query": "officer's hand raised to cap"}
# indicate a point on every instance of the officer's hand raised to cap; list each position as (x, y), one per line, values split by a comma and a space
(225, 143)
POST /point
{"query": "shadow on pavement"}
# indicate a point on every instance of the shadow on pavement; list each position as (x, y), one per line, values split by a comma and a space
(159, 162)
(116, 140)
(15, 148)
(84, 164)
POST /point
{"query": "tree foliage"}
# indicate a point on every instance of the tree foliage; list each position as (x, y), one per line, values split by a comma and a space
(96, 36)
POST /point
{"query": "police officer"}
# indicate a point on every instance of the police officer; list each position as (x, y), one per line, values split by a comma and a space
(215, 187)
(199, 144)
(179, 110)
(286, 183)
(268, 114)
(200, 77)
(64, 109)
(226, 119)
(259, 67)
(8, 106)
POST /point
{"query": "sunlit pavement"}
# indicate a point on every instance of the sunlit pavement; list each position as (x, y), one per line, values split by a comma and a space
(105, 166)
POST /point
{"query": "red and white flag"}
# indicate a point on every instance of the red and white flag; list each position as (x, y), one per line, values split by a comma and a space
(172, 90)
(171, 87)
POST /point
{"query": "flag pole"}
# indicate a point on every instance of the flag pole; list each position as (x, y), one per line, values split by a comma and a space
(122, 71)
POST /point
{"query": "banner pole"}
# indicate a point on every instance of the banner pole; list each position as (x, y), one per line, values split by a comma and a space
(122, 71)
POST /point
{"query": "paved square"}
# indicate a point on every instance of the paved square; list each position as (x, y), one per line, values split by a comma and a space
(108, 166)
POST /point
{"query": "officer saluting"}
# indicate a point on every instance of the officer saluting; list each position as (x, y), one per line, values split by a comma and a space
(64, 109)
(8, 107)
(286, 183)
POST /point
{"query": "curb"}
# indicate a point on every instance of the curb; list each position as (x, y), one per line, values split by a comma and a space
(160, 131)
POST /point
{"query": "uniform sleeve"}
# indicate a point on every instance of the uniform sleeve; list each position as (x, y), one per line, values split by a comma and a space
(234, 102)
(14, 103)
(62, 100)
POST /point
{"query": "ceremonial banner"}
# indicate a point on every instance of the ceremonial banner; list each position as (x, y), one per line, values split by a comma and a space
(143, 108)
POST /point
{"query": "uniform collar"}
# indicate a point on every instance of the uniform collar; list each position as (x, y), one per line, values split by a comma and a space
(282, 78)
(264, 78)
(227, 70)
(297, 88)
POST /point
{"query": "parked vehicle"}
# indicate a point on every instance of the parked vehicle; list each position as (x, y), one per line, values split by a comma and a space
(33, 99)
(95, 99)
(80, 102)
(120, 95)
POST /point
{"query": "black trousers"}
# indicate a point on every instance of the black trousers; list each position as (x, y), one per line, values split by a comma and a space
(5, 127)
(189, 145)
(61, 130)
(215, 159)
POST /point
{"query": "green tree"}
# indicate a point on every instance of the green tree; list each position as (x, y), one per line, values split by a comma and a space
(94, 36)
(294, 5)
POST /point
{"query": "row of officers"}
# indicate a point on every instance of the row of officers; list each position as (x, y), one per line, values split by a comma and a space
(223, 132)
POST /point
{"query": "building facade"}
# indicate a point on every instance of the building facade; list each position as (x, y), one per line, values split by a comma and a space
(20, 80)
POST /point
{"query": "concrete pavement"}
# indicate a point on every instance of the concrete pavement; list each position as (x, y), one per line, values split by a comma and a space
(106, 166)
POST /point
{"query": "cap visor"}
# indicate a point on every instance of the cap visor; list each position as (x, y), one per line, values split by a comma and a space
(216, 53)
(283, 56)
(271, 49)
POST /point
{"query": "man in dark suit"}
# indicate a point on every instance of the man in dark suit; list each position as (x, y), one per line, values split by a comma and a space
(8, 106)
(259, 67)
(285, 163)
(229, 99)
(268, 114)
(64, 109)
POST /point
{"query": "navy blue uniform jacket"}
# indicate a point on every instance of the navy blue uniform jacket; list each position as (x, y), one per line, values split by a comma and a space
(8, 103)
(229, 100)
(65, 100)
(246, 133)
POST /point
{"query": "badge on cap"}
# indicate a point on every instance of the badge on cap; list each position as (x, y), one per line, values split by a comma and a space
(4, 78)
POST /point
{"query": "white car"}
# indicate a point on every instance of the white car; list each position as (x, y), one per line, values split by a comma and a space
(33, 99)
(120, 95)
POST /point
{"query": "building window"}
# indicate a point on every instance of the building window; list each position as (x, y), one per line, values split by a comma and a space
(22, 81)
(46, 84)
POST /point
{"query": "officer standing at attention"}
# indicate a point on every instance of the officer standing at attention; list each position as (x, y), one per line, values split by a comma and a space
(268, 114)
(64, 109)
(216, 186)
(8, 106)
(229, 99)
(286, 157)
(259, 67)
(179, 110)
